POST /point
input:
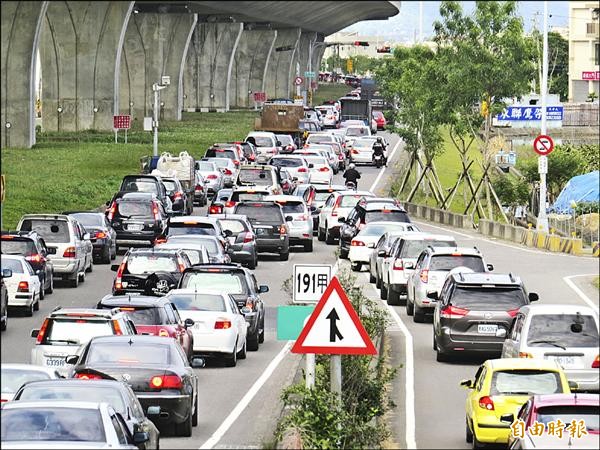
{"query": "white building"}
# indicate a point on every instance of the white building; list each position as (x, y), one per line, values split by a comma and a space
(584, 50)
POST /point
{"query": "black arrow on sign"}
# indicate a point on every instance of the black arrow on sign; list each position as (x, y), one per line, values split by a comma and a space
(333, 329)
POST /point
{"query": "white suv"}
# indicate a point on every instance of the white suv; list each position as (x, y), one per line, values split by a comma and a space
(338, 205)
(266, 145)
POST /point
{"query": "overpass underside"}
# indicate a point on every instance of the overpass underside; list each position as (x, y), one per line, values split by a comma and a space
(100, 58)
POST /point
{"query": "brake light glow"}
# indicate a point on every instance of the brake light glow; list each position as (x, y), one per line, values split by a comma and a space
(513, 312)
(159, 240)
(486, 403)
(112, 211)
(118, 284)
(236, 162)
(424, 275)
(449, 311)
(596, 363)
(229, 204)
(215, 209)
(212, 177)
(42, 332)
(324, 169)
(100, 234)
(69, 252)
(249, 303)
(222, 324)
(177, 195)
(398, 264)
(155, 211)
(35, 258)
(354, 152)
(117, 328)
(228, 172)
(356, 243)
(165, 382)
(248, 237)
(282, 229)
(87, 376)
(525, 355)
(302, 170)
(162, 332)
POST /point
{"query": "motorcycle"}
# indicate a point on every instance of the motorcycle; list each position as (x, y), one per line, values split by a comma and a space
(378, 159)
(351, 185)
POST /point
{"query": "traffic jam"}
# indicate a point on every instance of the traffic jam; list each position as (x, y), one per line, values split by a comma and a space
(191, 245)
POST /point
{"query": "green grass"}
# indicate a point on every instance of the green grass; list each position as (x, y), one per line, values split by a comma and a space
(82, 170)
(596, 282)
(329, 91)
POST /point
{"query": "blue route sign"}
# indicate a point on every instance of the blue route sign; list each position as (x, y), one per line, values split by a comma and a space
(524, 113)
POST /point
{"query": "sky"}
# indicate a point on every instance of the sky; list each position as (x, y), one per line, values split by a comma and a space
(404, 27)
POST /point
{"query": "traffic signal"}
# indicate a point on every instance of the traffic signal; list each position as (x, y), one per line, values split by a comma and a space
(361, 43)
(384, 50)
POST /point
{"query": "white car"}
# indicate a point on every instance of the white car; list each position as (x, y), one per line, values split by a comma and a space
(301, 225)
(321, 171)
(16, 375)
(23, 287)
(338, 204)
(296, 166)
(354, 132)
(266, 145)
(196, 253)
(214, 179)
(320, 137)
(565, 333)
(219, 328)
(329, 153)
(363, 244)
(329, 115)
(361, 151)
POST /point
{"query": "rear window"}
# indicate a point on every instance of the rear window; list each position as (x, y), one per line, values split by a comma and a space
(242, 196)
(170, 185)
(142, 316)
(52, 231)
(567, 413)
(181, 228)
(224, 282)
(89, 219)
(317, 138)
(17, 247)
(413, 248)
(255, 176)
(316, 160)
(205, 167)
(105, 352)
(139, 264)
(221, 153)
(256, 212)
(285, 139)
(221, 162)
(488, 299)
(198, 302)
(351, 131)
(386, 215)
(525, 382)
(286, 162)
(380, 229)
(96, 394)
(134, 209)
(322, 196)
(292, 208)
(349, 201)
(449, 262)
(235, 226)
(262, 141)
(559, 329)
(210, 244)
(140, 185)
(12, 264)
(76, 330)
(12, 379)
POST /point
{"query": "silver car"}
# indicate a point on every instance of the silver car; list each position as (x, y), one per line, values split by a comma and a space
(227, 168)
(16, 375)
(242, 241)
(301, 225)
(295, 165)
(214, 179)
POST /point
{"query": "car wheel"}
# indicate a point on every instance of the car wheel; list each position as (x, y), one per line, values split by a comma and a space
(261, 333)
(393, 297)
(252, 264)
(4, 322)
(356, 266)
(383, 292)
(410, 307)
(371, 277)
(252, 341)
(50, 289)
(377, 281)
(185, 428)
(36, 305)
(441, 356)
(242, 353)
(475, 444)
(114, 255)
(91, 268)
(195, 414)
(74, 282)
(468, 433)
(419, 314)
(308, 246)
(82, 277)
(320, 234)
(284, 256)
(29, 310)
(231, 358)
(106, 255)
(42, 290)
(434, 343)
(329, 239)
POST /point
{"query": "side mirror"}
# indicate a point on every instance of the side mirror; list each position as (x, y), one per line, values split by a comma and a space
(34, 333)
(490, 267)
(294, 178)
(153, 411)
(371, 245)
(311, 166)
(228, 233)
(263, 288)
(507, 418)
(432, 295)
(501, 333)
(6, 273)
(278, 143)
(573, 385)
(245, 310)
(139, 437)
(382, 253)
(188, 323)
(409, 265)
(198, 363)
(86, 237)
(71, 359)
(115, 267)
(342, 220)
(107, 203)
(467, 383)
(289, 219)
(533, 297)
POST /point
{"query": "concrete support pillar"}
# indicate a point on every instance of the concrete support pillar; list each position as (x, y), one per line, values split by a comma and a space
(21, 28)
(80, 55)
(156, 45)
(306, 41)
(250, 61)
(282, 69)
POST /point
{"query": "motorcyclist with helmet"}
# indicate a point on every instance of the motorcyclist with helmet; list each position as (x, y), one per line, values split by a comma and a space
(352, 175)
(379, 148)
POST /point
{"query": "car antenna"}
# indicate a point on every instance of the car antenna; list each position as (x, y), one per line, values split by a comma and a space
(511, 277)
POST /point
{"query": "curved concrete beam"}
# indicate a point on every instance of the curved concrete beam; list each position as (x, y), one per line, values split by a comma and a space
(277, 80)
(79, 49)
(20, 31)
(230, 66)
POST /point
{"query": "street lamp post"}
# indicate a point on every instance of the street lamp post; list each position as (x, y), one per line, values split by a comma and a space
(156, 87)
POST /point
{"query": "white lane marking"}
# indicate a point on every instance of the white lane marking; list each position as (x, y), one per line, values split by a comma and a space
(578, 291)
(245, 401)
(381, 172)
(411, 441)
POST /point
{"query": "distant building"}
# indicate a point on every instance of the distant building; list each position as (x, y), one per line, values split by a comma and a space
(584, 50)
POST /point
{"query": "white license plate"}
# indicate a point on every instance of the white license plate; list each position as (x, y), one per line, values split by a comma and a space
(566, 361)
(487, 329)
(262, 231)
(55, 362)
(135, 227)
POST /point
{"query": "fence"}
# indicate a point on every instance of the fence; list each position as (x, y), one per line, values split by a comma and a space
(584, 226)
(580, 114)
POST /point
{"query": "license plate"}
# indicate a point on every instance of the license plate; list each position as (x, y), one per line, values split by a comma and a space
(135, 227)
(566, 361)
(261, 231)
(55, 362)
(52, 250)
(487, 329)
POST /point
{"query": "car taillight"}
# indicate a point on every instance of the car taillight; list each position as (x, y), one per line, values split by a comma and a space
(251, 157)
(289, 147)
(181, 267)
(198, 188)
(87, 376)
(222, 324)
(177, 195)
(42, 332)
(324, 169)
(596, 363)
(354, 152)
(69, 252)
(282, 229)
(236, 162)
(35, 258)
(248, 237)
(335, 206)
(212, 177)
(165, 382)
(112, 211)
(155, 211)
(302, 218)
(302, 170)
(341, 157)
(215, 209)
(228, 172)
(118, 284)
(525, 355)
(250, 303)
(486, 403)
(452, 311)
(117, 328)
(513, 312)
(229, 204)
(159, 240)
(100, 234)
(163, 332)
(424, 275)
(355, 243)
(398, 264)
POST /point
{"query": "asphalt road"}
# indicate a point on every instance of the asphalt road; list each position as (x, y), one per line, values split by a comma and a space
(232, 417)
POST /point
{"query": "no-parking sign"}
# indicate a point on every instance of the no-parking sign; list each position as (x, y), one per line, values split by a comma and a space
(298, 81)
(543, 145)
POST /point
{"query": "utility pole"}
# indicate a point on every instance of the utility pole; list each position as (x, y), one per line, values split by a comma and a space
(156, 87)
(420, 21)
(542, 219)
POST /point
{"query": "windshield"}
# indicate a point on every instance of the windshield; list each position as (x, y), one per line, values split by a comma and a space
(256, 212)
(488, 299)
(380, 229)
(224, 282)
(52, 231)
(525, 382)
(286, 162)
(198, 302)
(75, 331)
(51, 423)
(140, 315)
(142, 185)
(105, 352)
(241, 196)
(387, 215)
(449, 262)
(12, 264)
(210, 244)
(255, 176)
(182, 228)
(88, 219)
(139, 264)
(17, 247)
(12, 379)
(68, 391)
(560, 329)
(567, 413)
(135, 209)
(413, 248)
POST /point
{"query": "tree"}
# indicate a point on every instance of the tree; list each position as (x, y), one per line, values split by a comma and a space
(558, 62)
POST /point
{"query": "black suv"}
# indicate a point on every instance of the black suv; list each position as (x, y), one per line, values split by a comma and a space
(182, 200)
(365, 212)
(138, 218)
(270, 227)
(474, 312)
(144, 183)
(239, 283)
(32, 246)
(150, 271)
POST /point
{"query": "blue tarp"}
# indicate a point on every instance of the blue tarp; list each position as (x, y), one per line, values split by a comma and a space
(582, 188)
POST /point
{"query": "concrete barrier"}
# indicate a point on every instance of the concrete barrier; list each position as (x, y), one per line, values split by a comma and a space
(439, 216)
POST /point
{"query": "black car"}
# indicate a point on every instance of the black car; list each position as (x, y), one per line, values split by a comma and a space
(240, 284)
(102, 234)
(183, 204)
(6, 273)
(116, 393)
(270, 227)
(33, 247)
(156, 369)
(145, 183)
(362, 214)
(138, 265)
(474, 312)
(138, 219)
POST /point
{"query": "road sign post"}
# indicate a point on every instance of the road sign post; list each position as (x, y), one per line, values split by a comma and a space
(121, 122)
(542, 219)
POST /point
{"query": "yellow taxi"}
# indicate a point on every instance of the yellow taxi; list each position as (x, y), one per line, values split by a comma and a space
(502, 386)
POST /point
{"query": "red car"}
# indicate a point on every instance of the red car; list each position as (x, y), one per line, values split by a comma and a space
(380, 119)
(155, 316)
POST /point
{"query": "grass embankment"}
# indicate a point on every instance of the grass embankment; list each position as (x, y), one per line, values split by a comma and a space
(82, 170)
(596, 282)
(329, 91)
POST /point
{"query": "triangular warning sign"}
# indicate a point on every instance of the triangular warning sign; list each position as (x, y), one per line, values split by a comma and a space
(334, 327)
